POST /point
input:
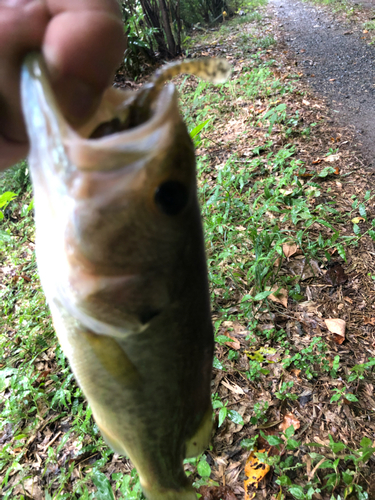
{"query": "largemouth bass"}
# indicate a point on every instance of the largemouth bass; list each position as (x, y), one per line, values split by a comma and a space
(121, 259)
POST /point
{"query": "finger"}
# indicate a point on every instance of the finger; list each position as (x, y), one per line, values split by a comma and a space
(83, 46)
(21, 31)
(11, 152)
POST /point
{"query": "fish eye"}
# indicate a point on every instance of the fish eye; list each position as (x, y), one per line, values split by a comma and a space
(171, 197)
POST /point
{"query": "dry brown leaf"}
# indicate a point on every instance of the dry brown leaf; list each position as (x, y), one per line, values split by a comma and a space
(255, 471)
(235, 344)
(281, 297)
(318, 160)
(337, 327)
(290, 419)
(368, 321)
(332, 158)
(232, 387)
(289, 249)
(296, 373)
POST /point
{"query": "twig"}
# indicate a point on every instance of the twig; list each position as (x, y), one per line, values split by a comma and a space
(312, 473)
(52, 441)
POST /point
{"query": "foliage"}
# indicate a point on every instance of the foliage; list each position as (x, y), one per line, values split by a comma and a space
(252, 205)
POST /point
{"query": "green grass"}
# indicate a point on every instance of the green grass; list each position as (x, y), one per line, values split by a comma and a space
(340, 6)
(252, 204)
(369, 25)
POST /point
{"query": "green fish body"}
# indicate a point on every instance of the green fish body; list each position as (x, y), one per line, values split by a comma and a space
(121, 259)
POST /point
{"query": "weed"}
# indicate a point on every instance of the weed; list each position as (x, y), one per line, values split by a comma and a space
(224, 412)
(311, 359)
(342, 396)
(283, 393)
(358, 371)
(260, 411)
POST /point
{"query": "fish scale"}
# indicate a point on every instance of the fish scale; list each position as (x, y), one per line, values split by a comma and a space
(120, 254)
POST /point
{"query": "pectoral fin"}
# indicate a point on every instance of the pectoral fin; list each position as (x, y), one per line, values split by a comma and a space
(113, 359)
(200, 441)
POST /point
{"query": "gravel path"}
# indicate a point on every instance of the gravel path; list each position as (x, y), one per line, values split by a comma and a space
(338, 64)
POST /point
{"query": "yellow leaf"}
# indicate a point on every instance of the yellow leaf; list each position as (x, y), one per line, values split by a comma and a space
(356, 220)
(255, 471)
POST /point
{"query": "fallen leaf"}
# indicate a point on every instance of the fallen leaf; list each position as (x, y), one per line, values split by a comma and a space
(336, 274)
(268, 354)
(365, 31)
(33, 488)
(235, 344)
(280, 296)
(309, 305)
(216, 493)
(24, 277)
(296, 373)
(304, 269)
(289, 419)
(318, 160)
(356, 220)
(286, 192)
(337, 327)
(332, 158)
(306, 103)
(289, 249)
(255, 471)
(368, 321)
(232, 387)
(305, 397)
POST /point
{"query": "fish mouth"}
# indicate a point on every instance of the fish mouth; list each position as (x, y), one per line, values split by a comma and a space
(144, 120)
(94, 187)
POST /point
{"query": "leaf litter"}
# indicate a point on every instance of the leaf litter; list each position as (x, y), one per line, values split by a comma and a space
(277, 363)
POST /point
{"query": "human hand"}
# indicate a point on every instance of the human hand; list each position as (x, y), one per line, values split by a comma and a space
(82, 42)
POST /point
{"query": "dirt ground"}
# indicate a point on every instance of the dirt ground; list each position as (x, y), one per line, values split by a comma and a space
(337, 61)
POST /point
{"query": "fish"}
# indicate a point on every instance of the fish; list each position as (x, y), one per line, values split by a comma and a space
(121, 259)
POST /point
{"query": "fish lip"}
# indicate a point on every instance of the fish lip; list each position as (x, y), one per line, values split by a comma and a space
(142, 138)
(89, 155)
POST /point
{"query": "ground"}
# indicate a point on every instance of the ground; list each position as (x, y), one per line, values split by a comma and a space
(338, 63)
(286, 190)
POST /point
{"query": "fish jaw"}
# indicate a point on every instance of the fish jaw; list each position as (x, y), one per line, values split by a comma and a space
(126, 278)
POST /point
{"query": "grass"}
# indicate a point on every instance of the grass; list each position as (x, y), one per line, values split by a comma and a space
(257, 197)
(340, 6)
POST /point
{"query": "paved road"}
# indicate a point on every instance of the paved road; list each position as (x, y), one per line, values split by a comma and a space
(337, 62)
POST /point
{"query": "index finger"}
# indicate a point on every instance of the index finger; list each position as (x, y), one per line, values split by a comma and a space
(83, 45)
